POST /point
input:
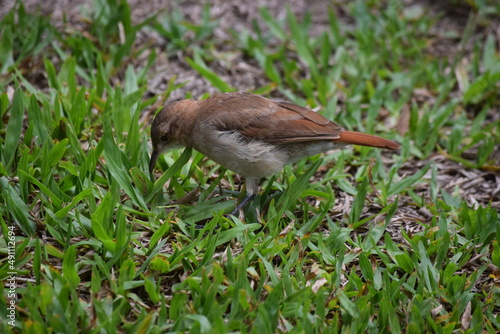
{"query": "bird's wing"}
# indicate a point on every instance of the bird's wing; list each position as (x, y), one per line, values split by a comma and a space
(255, 117)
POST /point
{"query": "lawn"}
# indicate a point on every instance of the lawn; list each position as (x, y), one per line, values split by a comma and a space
(357, 240)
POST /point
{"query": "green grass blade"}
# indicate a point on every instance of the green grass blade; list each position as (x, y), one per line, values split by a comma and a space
(199, 65)
(402, 185)
(17, 208)
(14, 127)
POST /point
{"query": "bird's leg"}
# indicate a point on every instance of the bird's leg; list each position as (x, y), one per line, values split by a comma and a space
(244, 201)
(252, 187)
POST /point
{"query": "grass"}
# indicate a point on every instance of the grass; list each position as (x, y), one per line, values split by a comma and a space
(356, 240)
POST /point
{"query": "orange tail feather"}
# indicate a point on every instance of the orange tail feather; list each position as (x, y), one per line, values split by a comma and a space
(363, 139)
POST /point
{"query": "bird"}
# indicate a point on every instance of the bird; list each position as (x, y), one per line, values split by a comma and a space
(250, 135)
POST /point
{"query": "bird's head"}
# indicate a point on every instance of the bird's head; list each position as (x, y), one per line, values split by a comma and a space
(169, 128)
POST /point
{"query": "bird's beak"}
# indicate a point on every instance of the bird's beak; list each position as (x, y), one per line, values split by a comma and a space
(152, 162)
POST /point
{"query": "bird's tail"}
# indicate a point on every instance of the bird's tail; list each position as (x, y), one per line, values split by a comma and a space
(363, 139)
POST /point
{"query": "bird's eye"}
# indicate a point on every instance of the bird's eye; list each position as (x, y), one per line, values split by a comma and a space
(164, 138)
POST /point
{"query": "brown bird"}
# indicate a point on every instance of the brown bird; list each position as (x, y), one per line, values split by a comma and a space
(251, 135)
